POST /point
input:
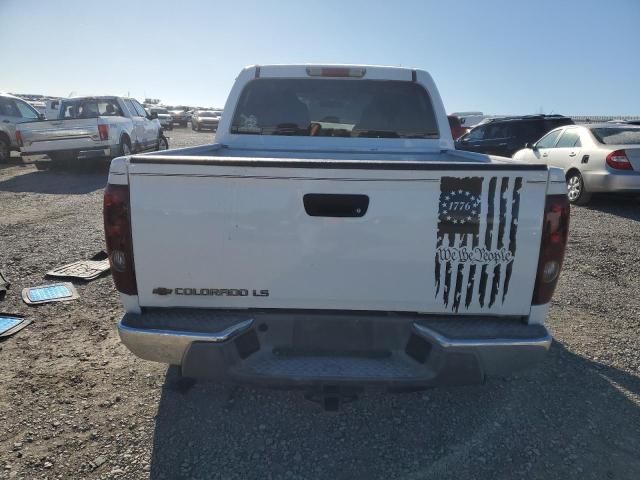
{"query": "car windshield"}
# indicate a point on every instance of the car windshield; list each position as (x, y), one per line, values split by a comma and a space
(207, 114)
(617, 135)
(335, 108)
(159, 110)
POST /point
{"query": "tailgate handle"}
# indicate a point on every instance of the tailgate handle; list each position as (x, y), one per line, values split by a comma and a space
(335, 205)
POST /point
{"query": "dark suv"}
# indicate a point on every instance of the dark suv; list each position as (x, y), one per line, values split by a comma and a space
(505, 136)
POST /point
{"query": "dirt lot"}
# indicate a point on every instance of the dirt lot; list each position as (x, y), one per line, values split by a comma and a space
(74, 403)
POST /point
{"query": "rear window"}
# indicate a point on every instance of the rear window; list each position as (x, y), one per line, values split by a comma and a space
(617, 135)
(335, 108)
(90, 108)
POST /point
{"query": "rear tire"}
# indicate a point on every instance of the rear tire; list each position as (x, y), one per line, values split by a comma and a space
(576, 191)
(125, 147)
(163, 143)
(5, 150)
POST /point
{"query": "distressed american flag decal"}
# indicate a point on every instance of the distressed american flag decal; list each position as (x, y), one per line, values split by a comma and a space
(476, 244)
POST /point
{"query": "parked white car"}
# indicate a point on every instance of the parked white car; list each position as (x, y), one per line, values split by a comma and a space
(93, 128)
(595, 158)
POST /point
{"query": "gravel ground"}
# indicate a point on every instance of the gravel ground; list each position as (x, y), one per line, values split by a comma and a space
(74, 403)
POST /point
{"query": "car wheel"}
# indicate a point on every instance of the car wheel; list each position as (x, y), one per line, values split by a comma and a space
(576, 190)
(125, 147)
(5, 152)
(163, 143)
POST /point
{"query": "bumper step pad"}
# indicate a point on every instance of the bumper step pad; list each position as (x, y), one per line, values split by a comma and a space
(329, 368)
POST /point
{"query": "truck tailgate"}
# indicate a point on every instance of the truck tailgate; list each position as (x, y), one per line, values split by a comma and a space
(403, 236)
(54, 135)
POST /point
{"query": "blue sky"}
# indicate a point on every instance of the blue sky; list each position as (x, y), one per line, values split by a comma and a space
(500, 57)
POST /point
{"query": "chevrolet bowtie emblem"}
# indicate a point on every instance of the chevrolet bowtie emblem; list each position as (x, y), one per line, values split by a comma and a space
(162, 291)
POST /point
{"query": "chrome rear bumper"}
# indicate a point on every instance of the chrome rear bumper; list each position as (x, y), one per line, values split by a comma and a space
(169, 346)
(313, 348)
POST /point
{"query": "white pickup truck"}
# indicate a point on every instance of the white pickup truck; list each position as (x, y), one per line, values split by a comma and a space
(332, 237)
(93, 128)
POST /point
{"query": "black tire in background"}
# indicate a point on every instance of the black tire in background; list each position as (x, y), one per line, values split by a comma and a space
(125, 143)
(163, 143)
(5, 150)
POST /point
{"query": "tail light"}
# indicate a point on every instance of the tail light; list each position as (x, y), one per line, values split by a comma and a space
(618, 160)
(555, 232)
(103, 131)
(19, 138)
(117, 230)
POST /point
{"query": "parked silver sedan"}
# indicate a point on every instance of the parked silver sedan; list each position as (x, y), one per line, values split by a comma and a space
(596, 158)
